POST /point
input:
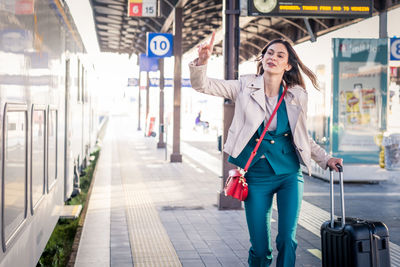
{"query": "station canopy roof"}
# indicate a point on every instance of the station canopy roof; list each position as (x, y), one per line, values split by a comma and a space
(119, 33)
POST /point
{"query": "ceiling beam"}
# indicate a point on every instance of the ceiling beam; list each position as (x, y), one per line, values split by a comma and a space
(273, 30)
(168, 22)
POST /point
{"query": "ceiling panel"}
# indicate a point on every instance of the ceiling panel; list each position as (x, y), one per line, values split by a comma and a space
(200, 19)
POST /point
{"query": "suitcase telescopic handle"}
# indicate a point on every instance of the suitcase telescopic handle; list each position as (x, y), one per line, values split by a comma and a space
(340, 168)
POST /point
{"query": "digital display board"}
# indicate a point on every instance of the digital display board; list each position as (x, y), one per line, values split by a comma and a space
(310, 8)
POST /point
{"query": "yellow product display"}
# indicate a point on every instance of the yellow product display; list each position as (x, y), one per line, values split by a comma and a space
(382, 157)
(378, 141)
(352, 101)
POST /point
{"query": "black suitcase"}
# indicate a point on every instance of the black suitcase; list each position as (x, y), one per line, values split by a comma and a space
(355, 242)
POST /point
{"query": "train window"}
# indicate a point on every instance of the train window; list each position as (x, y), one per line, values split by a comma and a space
(38, 154)
(14, 172)
(52, 147)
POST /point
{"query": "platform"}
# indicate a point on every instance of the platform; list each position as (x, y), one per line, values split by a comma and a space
(145, 211)
(70, 211)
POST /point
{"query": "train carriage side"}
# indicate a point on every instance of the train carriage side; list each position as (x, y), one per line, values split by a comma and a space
(40, 127)
(74, 124)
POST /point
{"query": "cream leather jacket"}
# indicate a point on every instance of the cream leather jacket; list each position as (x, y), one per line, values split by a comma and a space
(250, 110)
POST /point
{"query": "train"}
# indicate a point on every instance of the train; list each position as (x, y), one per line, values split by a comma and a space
(49, 122)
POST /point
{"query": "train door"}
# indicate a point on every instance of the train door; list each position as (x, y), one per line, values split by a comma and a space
(83, 86)
(68, 155)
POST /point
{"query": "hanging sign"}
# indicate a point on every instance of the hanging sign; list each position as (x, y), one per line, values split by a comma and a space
(159, 44)
(394, 48)
(142, 8)
(311, 8)
(169, 82)
(147, 63)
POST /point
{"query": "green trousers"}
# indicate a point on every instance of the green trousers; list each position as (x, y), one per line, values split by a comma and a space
(263, 184)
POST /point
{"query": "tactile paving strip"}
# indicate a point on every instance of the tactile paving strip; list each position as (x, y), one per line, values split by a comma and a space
(150, 243)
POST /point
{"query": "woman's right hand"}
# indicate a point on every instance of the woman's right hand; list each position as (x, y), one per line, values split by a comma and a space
(205, 51)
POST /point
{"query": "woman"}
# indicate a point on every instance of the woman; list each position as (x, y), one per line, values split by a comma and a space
(276, 167)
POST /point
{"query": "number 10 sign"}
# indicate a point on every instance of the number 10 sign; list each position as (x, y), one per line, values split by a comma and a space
(159, 44)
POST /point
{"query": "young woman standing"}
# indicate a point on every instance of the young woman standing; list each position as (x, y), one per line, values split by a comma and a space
(276, 167)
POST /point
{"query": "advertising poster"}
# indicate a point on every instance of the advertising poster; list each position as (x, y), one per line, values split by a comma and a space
(359, 103)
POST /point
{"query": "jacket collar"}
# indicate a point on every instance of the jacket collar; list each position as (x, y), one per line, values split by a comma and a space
(292, 107)
(258, 95)
(257, 82)
(289, 95)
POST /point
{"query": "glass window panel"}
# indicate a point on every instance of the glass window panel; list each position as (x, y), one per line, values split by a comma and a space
(52, 157)
(360, 105)
(38, 135)
(14, 171)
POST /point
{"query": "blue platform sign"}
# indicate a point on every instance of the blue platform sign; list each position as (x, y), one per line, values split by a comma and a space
(169, 82)
(159, 44)
(394, 48)
(148, 63)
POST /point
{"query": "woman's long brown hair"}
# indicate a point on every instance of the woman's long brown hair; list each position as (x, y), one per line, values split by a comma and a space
(293, 76)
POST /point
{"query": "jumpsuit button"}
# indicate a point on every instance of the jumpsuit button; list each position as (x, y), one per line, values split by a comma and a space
(286, 134)
(272, 142)
(257, 139)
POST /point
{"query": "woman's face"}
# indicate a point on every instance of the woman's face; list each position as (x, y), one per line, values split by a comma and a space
(275, 60)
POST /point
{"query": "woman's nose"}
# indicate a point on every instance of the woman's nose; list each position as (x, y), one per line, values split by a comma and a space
(271, 56)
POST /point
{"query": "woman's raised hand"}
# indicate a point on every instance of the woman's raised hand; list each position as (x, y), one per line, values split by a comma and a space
(205, 51)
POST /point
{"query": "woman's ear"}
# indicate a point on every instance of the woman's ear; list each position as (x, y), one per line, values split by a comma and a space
(288, 67)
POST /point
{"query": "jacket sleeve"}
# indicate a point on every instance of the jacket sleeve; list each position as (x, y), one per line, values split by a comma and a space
(201, 83)
(318, 154)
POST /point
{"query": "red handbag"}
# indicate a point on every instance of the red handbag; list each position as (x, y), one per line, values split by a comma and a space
(236, 185)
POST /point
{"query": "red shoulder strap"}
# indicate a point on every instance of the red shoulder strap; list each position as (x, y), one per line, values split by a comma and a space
(254, 152)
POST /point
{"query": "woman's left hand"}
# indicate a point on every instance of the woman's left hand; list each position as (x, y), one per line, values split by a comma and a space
(333, 161)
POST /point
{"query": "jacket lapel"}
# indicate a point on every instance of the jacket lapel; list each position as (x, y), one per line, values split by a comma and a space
(293, 110)
(258, 94)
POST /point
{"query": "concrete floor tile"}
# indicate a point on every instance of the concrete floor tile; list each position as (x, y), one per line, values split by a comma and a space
(192, 263)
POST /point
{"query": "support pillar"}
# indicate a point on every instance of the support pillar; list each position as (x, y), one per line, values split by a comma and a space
(231, 65)
(176, 156)
(383, 33)
(146, 123)
(161, 143)
(139, 103)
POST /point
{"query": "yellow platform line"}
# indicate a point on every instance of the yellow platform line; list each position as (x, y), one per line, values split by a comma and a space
(150, 243)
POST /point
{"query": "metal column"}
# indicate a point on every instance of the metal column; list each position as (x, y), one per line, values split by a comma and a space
(146, 127)
(161, 143)
(383, 33)
(139, 103)
(176, 156)
(231, 65)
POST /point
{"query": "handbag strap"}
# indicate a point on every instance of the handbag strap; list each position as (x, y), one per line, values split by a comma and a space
(254, 152)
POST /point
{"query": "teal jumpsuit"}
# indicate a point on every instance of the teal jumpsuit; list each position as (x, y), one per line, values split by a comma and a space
(278, 172)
